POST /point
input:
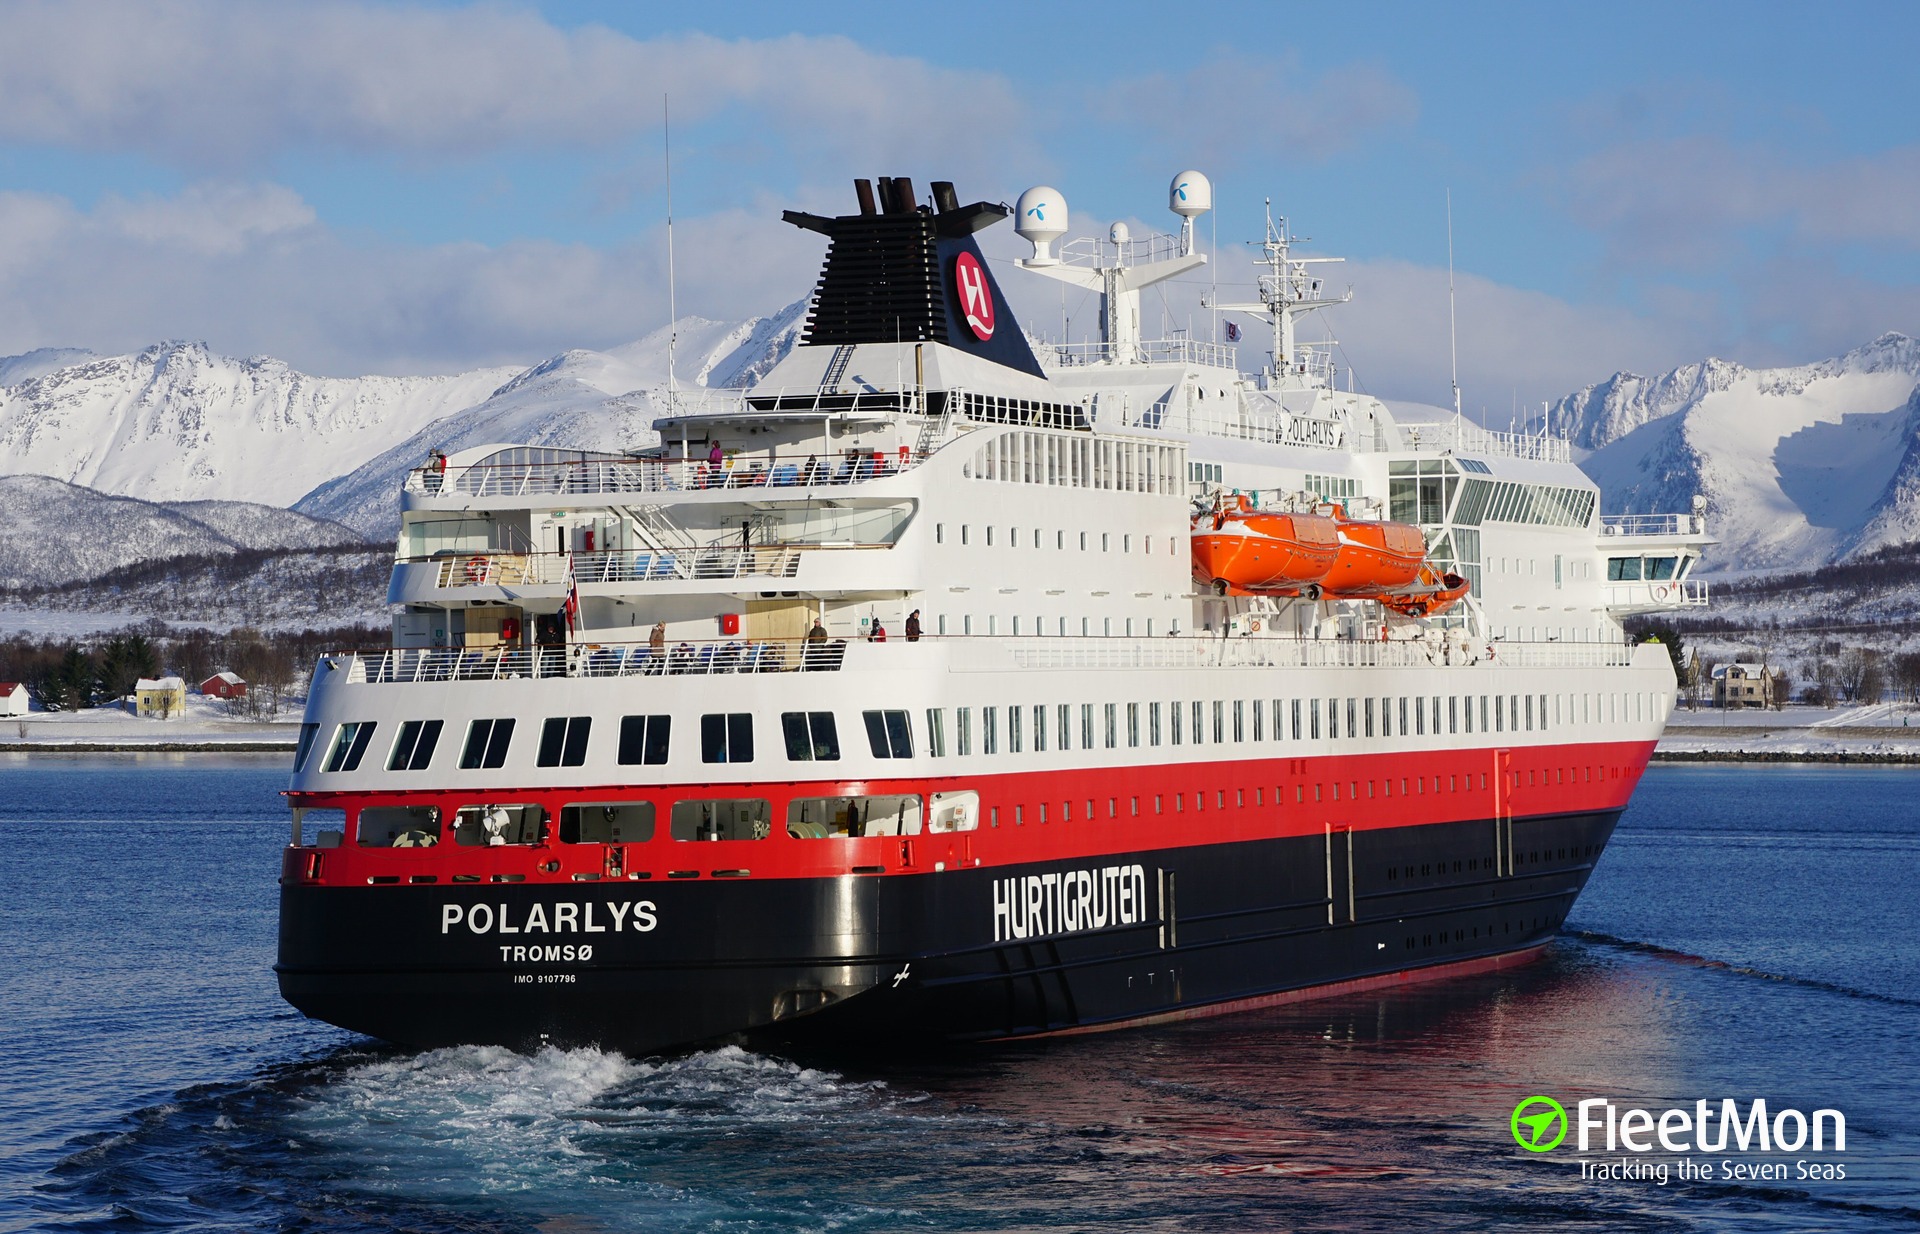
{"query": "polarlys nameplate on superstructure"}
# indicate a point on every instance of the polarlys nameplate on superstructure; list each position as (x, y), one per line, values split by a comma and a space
(1068, 902)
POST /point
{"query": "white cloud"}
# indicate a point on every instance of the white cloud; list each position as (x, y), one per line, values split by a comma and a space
(220, 84)
(246, 268)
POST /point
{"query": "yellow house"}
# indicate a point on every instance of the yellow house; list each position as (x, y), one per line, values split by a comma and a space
(163, 698)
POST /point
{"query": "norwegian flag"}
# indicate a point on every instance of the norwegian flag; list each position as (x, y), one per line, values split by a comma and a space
(571, 605)
(1233, 332)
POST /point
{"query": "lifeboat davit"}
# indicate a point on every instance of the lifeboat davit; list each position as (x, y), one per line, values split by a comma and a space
(1268, 552)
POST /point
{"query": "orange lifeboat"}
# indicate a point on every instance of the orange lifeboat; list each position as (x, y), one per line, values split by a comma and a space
(1388, 562)
(1375, 558)
(1243, 550)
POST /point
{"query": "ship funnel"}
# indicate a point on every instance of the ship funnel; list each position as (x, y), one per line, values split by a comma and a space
(1040, 218)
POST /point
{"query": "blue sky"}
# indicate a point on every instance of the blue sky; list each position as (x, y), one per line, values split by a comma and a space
(415, 188)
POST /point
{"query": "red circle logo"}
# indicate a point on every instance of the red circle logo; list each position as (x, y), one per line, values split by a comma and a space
(976, 298)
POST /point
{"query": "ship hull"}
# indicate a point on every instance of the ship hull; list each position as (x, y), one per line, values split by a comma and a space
(963, 954)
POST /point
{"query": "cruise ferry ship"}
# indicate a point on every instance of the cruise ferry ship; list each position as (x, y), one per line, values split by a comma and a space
(949, 684)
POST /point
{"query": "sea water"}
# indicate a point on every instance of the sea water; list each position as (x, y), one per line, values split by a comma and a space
(1752, 932)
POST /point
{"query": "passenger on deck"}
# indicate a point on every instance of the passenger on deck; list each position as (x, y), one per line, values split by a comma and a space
(913, 626)
(878, 634)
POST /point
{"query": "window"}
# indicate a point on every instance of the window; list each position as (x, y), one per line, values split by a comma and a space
(810, 736)
(487, 742)
(1199, 722)
(563, 741)
(937, 732)
(1039, 730)
(888, 733)
(413, 750)
(1239, 720)
(725, 738)
(610, 822)
(1259, 705)
(1294, 707)
(989, 730)
(1065, 716)
(823, 818)
(1153, 724)
(963, 731)
(307, 733)
(1086, 726)
(1113, 725)
(399, 827)
(349, 745)
(1174, 712)
(1014, 742)
(746, 818)
(643, 740)
(493, 825)
(1313, 709)
(939, 533)
(1133, 724)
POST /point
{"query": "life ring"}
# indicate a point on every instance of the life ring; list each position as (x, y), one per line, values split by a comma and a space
(1253, 625)
(476, 569)
(1663, 591)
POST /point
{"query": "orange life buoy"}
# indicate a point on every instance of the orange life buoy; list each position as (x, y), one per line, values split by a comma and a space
(476, 569)
(1254, 625)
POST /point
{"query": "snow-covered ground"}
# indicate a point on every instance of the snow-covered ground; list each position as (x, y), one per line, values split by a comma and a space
(205, 722)
(1879, 730)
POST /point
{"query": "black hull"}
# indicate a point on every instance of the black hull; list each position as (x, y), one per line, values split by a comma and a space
(1120, 938)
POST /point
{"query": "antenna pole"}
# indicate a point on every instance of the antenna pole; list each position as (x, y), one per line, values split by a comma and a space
(673, 308)
(1453, 338)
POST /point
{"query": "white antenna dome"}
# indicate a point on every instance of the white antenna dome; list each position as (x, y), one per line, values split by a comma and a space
(1040, 218)
(1190, 194)
(1118, 233)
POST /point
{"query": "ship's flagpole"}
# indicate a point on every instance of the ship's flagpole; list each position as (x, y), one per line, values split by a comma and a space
(1453, 338)
(673, 308)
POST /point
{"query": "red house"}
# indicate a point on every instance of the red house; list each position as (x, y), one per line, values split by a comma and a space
(224, 685)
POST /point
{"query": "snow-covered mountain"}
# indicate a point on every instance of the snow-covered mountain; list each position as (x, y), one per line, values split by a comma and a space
(179, 423)
(583, 400)
(1800, 466)
(60, 533)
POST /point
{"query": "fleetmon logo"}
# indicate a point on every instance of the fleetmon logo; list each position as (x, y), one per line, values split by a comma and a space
(1539, 1123)
(976, 301)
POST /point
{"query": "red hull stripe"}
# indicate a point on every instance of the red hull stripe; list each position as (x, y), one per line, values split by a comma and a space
(1028, 816)
(1358, 985)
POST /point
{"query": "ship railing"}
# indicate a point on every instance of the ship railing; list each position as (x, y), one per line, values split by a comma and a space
(496, 569)
(1246, 652)
(591, 659)
(1652, 525)
(664, 474)
(1151, 351)
(968, 653)
(1462, 436)
(1654, 594)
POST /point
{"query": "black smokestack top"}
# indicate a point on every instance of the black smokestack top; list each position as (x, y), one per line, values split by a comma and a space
(886, 277)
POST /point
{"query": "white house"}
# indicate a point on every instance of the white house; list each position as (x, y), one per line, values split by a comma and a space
(13, 699)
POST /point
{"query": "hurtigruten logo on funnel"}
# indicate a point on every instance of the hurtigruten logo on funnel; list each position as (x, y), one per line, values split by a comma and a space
(976, 298)
(1724, 1139)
